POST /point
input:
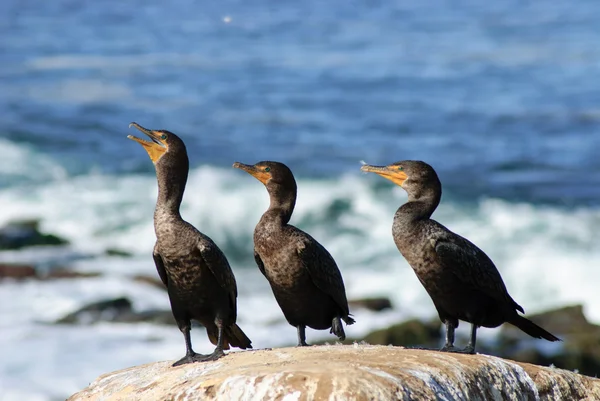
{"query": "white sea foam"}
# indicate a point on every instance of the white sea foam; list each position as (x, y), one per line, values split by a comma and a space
(21, 163)
(547, 256)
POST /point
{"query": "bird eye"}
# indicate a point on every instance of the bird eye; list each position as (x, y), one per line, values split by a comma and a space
(163, 137)
(400, 168)
(267, 169)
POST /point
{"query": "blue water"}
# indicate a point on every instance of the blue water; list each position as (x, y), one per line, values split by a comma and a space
(501, 98)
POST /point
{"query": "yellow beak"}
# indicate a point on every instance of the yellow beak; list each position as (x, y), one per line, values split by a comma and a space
(156, 148)
(390, 172)
(257, 173)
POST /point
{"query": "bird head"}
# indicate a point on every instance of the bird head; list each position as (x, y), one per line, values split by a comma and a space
(161, 142)
(268, 172)
(412, 175)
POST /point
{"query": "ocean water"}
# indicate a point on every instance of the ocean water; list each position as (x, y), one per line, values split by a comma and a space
(502, 99)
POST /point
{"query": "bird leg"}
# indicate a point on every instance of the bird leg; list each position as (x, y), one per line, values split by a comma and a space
(190, 355)
(302, 336)
(449, 346)
(218, 352)
(470, 348)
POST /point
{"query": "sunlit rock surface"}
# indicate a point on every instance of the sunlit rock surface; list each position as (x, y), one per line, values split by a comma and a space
(350, 372)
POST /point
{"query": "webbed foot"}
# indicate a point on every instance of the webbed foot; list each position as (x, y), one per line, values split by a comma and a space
(467, 350)
(190, 358)
(218, 353)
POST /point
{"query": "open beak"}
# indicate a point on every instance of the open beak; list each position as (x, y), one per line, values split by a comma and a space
(156, 148)
(390, 172)
(257, 173)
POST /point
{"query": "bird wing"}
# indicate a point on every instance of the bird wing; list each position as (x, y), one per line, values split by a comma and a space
(259, 263)
(472, 266)
(160, 266)
(216, 261)
(323, 270)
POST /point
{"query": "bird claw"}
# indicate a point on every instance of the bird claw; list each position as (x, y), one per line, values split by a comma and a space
(190, 358)
(211, 357)
(469, 349)
(451, 348)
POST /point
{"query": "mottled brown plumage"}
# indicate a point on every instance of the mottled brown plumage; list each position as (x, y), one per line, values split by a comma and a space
(198, 278)
(460, 278)
(305, 279)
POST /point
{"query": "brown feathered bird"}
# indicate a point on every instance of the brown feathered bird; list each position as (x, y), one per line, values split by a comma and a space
(198, 278)
(305, 279)
(459, 277)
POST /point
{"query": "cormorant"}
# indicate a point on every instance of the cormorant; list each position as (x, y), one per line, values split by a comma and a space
(460, 278)
(198, 278)
(305, 280)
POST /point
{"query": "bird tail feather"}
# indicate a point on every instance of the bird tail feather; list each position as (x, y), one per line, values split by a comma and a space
(236, 337)
(213, 336)
(337, 328)
(532, 329)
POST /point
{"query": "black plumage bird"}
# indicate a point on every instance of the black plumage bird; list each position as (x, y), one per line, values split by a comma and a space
(305, 279)
(198, 278)
(460, 278)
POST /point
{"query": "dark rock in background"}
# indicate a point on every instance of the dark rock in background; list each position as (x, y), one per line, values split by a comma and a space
(118, 310)
(107, 310)
(580, 349)
(117, 252)
(63, 273)
(376, 304)
(21, 272)
(411, 333)
(408, 334)
(21, 234)
(17, 271)
(568, 321)
(157, 316)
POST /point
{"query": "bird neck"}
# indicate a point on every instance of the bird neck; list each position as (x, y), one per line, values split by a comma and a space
(282, 205)
(171, 185)
(420, 205)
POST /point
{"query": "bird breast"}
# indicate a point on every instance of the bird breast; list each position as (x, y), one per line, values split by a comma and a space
(283, 266)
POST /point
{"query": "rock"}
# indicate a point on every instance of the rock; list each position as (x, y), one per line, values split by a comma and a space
(579, 351)
(16, 271)
(20, 234)
(22, 272)
(118, 310)
(159, 317)
(108, 310)
(374, 304)
(350, 372)
(569, 321)
(63, 273)
(410, 333)
(117, 252)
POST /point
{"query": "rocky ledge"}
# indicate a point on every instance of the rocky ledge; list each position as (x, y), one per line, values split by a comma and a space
(344, 372)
